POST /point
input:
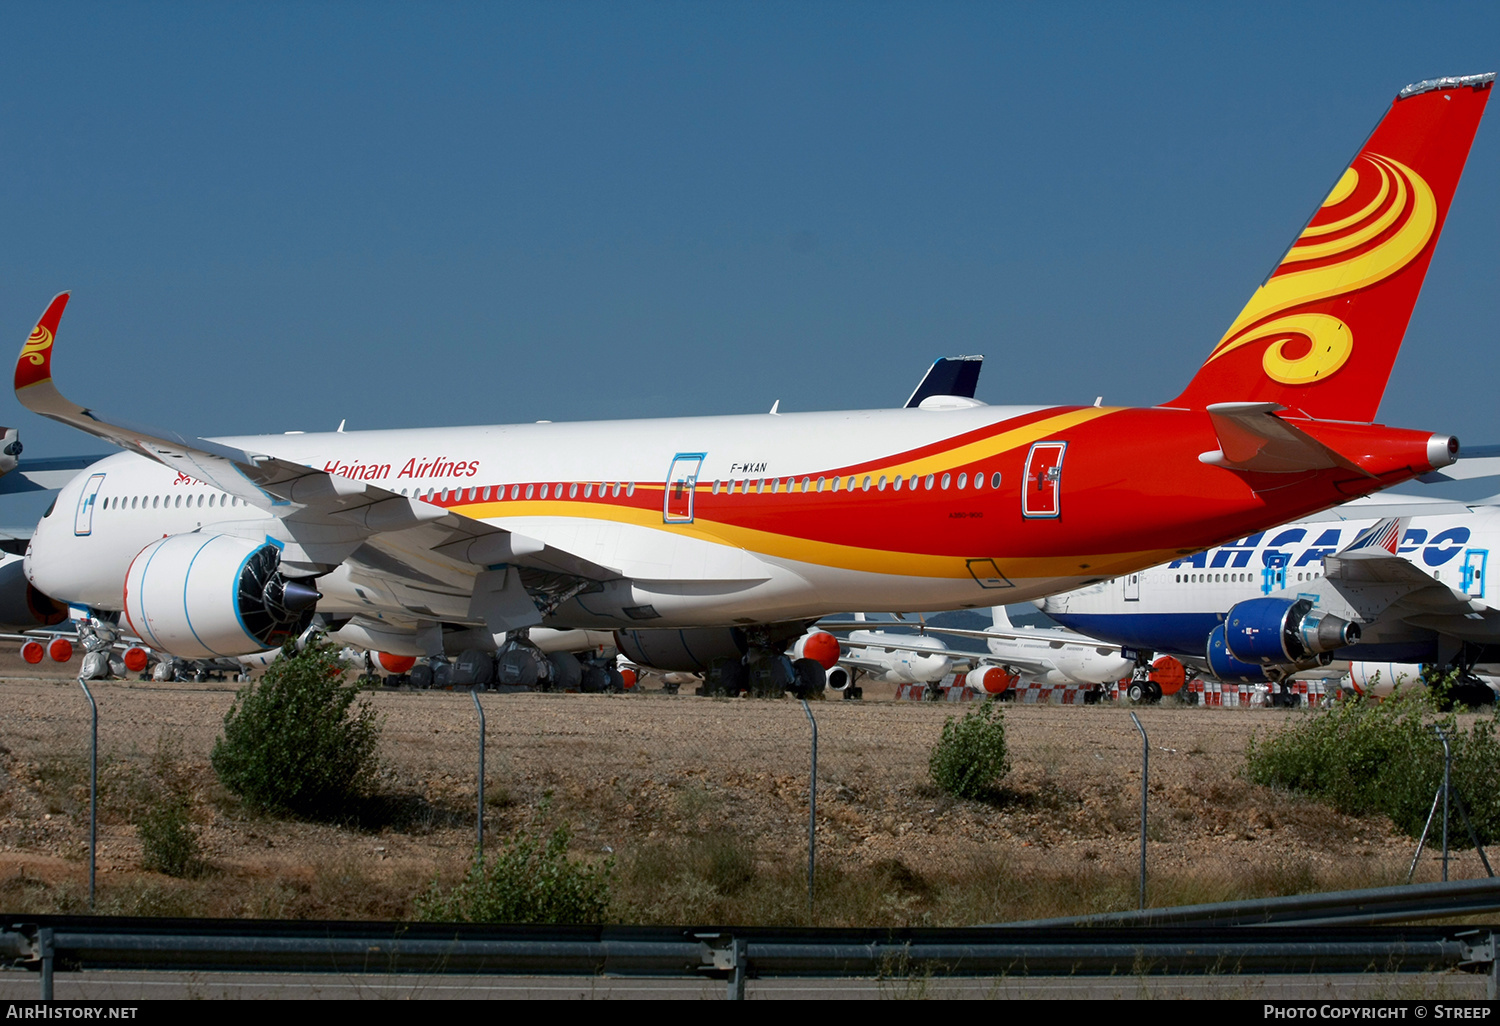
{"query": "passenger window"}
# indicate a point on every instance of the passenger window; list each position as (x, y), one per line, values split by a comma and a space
(978, 480)
(629, 491)
(896, 483)
(930, 479)
(821, 482)
(530, 491)
(995, 480)
(963, 481)
(880, 485)
(945, 482)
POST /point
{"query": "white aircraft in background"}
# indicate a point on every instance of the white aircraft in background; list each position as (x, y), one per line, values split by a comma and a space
(716, 540)
(1406, 576)
(879, 655)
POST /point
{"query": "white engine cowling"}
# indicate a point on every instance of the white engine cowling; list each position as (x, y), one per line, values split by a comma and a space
(197, 596)
(1380, 679)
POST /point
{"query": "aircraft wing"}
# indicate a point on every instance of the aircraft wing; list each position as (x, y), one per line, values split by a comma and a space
(1369, 579)
(45, 475)
(326, 520)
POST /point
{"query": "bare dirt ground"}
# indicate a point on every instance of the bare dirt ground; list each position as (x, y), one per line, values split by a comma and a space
(702, 804)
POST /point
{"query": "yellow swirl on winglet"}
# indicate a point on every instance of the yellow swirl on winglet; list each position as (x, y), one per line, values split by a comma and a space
(1284, 291)
(38, 343)
(1332, 342)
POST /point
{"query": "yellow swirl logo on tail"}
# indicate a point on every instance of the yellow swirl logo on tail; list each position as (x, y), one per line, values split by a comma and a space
(1385, 233)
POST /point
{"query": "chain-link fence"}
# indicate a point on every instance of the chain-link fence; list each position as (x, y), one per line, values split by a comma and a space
(699, 805)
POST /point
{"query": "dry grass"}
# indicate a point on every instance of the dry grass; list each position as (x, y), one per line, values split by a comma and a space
(703, 804)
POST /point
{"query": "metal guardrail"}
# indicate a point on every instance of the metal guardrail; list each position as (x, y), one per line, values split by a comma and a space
(49, 944)
(1375, 905)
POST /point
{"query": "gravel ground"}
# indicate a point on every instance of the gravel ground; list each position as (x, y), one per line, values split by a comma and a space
(631, 771)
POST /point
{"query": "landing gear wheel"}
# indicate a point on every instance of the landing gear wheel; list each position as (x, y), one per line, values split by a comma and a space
(1153, 691)
(1136, 692)
(811, 678)
(726, 680)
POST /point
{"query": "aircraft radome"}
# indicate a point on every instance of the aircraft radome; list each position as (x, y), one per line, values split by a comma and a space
(712, 542)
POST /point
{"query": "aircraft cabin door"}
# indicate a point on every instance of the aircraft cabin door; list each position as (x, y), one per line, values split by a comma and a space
(83, 520)
(682, 482)
(1132, 587)
(1473, 571)
(1273, 577)
(1043, 480)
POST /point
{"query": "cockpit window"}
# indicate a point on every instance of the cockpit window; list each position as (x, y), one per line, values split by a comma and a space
(50, 507)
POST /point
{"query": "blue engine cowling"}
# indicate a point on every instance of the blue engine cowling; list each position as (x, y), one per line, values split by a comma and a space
(1225, 667)
(1277, 632)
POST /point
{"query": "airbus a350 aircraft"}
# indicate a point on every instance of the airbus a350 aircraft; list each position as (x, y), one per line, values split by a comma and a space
(724, 536)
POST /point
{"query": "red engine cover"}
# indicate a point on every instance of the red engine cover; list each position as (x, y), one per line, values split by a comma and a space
(1169, 674)
(394, 663)
(992, 680)
(823, 647)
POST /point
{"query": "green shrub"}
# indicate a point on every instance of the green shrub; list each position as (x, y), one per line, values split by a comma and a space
(1365, 756)
(970, 757)
(296, 743)
(168, 843)
(529, 880)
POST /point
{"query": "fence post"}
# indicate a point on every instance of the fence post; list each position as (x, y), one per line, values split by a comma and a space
(812, 810)
(1447, 782)
(1145, 770)
(93, 787)
(479, 817)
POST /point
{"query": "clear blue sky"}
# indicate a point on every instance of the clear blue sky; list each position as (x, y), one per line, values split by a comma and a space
(275, 216)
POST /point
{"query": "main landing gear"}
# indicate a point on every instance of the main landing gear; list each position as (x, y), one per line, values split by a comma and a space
(766, 671)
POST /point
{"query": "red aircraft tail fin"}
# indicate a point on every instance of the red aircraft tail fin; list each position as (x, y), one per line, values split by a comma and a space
(1320, 336)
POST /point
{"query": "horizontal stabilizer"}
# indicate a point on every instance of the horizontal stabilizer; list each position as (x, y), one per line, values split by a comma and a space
(1252, 438)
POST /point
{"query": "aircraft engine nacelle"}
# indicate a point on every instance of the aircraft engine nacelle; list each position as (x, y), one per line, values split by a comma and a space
(839, 679)
(1276, 631)
(693, 650)
(991, 680)
(1223, 665)
(1379, 680)
(22, 607)
(819, 645)
(197, 596)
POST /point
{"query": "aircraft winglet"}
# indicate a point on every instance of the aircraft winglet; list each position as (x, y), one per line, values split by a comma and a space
(34, 365)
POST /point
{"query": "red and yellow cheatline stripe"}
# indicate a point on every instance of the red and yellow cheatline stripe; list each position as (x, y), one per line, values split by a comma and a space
(790, 547)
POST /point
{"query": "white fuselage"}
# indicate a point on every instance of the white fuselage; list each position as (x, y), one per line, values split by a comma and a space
(104, 517)
(918, 660)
